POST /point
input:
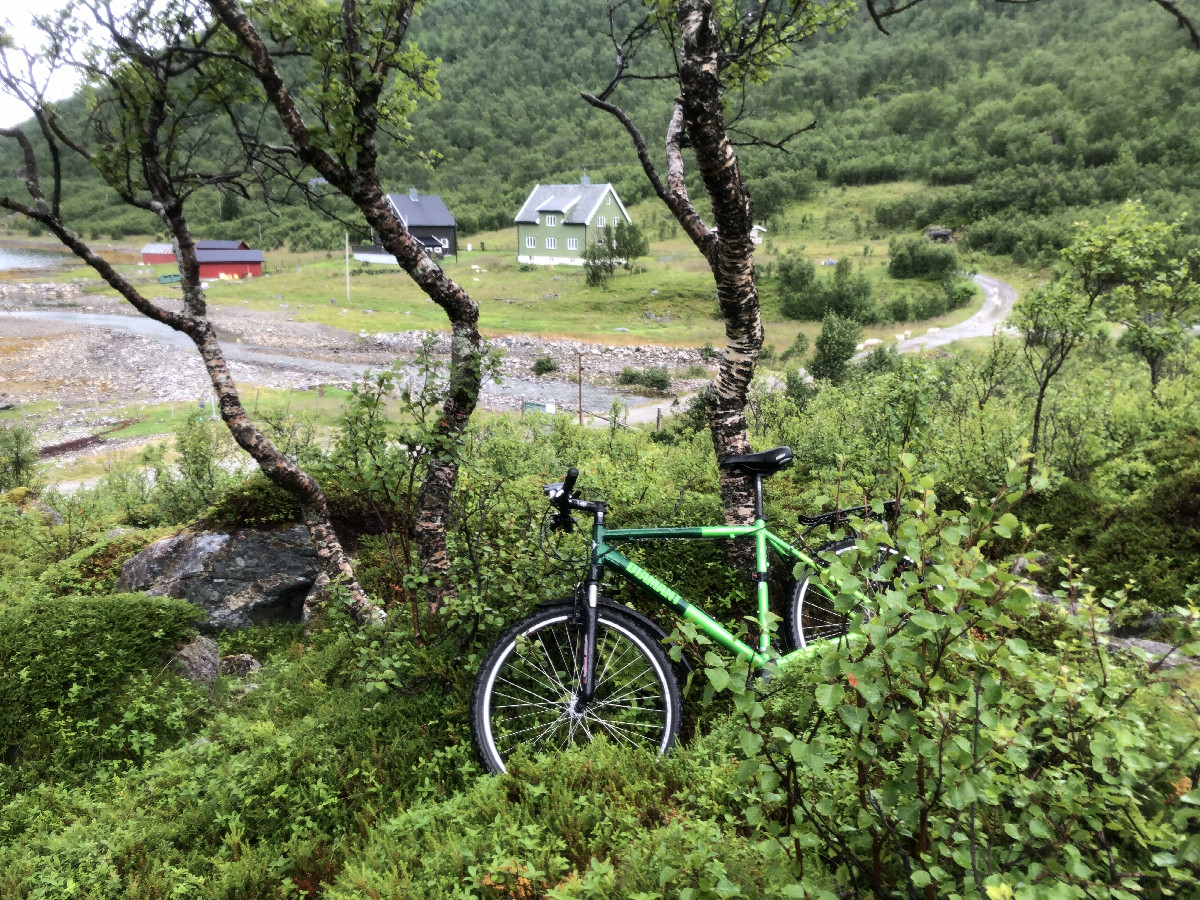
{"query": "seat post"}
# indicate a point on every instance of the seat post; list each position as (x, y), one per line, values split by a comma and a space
(758, 501)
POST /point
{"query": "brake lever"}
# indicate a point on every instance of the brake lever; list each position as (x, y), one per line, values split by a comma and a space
(563, 521)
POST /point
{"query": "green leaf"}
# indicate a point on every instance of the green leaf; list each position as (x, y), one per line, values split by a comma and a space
(719, 678)
(829, 695)
(751, 742)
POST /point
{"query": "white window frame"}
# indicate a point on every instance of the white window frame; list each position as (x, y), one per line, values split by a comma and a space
(531, 243)
(608, 200)
(600, 221)
(551, 220)
(572, 243)
(551, 243)
(445, 242)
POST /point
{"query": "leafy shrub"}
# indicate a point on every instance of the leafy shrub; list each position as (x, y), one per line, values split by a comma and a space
(256, 502)
(66, 666)
(921, 258)
(707, 352)
(797, 350)
(18, 456)
(806, 297)
(835, 345)
(657, 378)
(939, 750)
(544, 365)
(95, 569)
(692, 370)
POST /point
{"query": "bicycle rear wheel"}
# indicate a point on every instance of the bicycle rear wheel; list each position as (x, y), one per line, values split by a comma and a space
(811, 614)
(525, 691)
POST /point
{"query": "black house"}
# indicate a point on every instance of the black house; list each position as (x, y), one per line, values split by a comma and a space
(428, 220)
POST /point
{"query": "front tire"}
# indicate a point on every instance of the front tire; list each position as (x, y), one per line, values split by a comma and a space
(524, 694)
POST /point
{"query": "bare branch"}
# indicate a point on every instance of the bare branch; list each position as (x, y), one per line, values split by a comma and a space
(781, 144)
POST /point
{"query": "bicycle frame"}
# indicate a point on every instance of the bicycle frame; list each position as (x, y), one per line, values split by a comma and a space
(605, 555)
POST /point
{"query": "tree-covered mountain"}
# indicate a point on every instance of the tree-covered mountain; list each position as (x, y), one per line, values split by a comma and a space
(1024, 117)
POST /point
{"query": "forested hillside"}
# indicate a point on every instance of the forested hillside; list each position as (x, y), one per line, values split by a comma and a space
(1026, 117)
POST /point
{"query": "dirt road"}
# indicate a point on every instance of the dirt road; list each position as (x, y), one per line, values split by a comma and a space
(998, 300)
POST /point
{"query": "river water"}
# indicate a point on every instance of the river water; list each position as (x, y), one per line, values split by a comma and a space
(596, 400)
(20, 258)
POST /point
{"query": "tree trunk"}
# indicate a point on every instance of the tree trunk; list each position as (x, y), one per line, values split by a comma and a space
(733, 260)
(359, 182)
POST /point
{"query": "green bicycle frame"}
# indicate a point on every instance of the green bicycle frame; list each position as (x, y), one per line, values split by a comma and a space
(604, 554)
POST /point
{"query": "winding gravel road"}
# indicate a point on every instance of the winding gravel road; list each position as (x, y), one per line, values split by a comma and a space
(998, 300)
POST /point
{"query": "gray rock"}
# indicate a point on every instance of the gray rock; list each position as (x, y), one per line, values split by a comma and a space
(198, 662)
(1153, 651)
(239, 665)
(239, 579)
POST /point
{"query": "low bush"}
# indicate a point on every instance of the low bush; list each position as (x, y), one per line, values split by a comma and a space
(544, 365)
(83, 679)
(657, 378)
(256, 502)
(95, 569)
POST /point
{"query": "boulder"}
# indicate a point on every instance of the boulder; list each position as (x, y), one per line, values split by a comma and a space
(239, 665)
(243, 578)
(198, 662)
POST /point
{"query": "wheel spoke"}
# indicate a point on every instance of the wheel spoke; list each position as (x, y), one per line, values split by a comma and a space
(532, 690)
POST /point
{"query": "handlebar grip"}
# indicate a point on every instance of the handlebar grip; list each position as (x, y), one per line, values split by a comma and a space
(569, 484)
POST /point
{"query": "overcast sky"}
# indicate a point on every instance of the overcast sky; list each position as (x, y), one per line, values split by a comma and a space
(17, 18)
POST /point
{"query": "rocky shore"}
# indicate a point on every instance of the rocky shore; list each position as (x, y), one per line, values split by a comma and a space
(89, 362)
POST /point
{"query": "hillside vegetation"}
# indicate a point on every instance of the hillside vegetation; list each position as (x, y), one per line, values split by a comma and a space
(1011, 108)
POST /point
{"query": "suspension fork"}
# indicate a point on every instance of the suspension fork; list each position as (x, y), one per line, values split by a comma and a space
(591, 591)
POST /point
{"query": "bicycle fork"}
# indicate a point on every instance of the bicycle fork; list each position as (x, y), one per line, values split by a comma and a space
(587, 673)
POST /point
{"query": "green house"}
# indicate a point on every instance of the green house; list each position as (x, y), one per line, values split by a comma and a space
(558, 221)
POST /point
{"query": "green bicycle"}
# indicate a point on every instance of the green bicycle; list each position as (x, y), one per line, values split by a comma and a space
(584, 666)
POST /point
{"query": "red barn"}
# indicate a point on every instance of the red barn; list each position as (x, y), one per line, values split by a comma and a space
(235, 263)
(158, 253)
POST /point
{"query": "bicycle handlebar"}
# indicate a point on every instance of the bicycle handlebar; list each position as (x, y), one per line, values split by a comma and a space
(568, 486)
(840, 515)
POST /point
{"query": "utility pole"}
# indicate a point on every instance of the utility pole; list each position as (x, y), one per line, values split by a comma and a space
(580, 359)
(347, 233)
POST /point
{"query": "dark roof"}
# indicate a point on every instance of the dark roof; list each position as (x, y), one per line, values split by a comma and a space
(577, 202)
(427, 210)
(229, 256)
(221, 245)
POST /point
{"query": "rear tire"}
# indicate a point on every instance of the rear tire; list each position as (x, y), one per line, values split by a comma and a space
(524, 693)
(811, 612)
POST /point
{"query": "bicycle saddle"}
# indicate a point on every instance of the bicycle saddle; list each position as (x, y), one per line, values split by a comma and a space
(765, 463)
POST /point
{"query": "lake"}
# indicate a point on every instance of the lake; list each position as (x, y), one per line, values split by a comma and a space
(20, 258)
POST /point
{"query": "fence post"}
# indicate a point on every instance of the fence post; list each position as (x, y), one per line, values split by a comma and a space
(580, 360)
(658, 420)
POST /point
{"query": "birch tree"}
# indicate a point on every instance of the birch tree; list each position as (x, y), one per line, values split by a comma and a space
(359, 79)
(155, 105)
(717, 52)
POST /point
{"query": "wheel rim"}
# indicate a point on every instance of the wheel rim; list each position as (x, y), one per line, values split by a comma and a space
(819, 621)
(530, 695)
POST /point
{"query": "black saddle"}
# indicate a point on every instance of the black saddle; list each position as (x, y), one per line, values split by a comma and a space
(766, 463)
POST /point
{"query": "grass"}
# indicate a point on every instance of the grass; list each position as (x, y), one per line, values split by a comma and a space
(671, 302)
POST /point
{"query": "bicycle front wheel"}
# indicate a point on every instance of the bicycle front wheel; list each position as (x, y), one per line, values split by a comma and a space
(525, 692)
